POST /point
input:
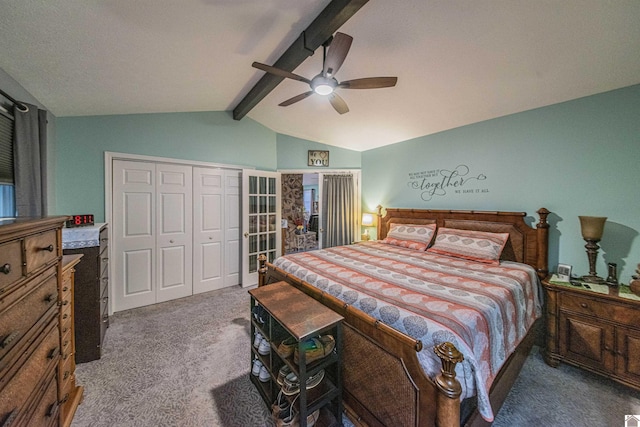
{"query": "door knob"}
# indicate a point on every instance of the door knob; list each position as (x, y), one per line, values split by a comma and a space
(246, 234)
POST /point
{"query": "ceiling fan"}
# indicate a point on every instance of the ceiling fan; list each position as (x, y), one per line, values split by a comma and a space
(325, 83)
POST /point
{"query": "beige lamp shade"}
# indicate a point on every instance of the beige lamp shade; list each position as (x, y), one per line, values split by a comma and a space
(367, 219)
(592, 227)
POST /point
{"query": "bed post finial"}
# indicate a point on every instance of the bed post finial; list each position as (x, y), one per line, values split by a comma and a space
(379, 210)
(262, 271)
(543, 243)
(449, 388)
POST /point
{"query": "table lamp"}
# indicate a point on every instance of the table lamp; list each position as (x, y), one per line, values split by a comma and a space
(367, 221)
(592, 228)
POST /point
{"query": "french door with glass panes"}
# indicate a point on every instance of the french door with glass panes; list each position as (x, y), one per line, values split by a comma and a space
(260, 221)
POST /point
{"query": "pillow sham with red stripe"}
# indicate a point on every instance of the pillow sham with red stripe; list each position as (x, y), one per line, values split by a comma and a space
(478, 246)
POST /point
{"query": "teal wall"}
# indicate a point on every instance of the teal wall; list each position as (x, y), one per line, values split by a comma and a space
(203, 136)
(575, 158)
(292, 154)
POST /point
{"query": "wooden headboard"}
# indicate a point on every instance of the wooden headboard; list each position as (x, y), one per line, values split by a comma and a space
(526, 244)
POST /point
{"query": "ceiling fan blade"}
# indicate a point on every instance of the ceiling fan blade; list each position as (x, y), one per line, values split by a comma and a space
(279, 72)
(338, 103)
(338, 50)
(369, 83)
(296, 99)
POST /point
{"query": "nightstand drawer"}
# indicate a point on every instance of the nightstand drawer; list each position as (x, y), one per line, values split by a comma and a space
(613, 311)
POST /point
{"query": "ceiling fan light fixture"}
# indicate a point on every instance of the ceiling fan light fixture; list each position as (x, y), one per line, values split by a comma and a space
(323, 89)
(323, 85)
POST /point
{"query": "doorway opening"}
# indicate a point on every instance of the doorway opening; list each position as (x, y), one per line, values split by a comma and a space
(300, 212)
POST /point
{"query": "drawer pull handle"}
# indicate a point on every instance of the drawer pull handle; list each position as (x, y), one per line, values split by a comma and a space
(65, 316)
(105, 299)
(47, 248)
(11, 418)
(105, 318)
(65, 289)
(64, 399)
(51, 409)
(53, 353)
(6, 269)
(66, 375)
(105, 259)
(7, 340)
(50, 297)
(583, 305)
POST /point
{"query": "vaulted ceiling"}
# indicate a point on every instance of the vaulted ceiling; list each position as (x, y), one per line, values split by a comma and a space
(457, 61)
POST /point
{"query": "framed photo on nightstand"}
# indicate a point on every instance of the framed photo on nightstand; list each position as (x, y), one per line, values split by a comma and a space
(564, 272)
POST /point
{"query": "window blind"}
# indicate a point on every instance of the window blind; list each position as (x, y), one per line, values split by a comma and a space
(6, 149)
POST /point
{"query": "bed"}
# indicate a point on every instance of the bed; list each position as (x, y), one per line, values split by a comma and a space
(389, 376)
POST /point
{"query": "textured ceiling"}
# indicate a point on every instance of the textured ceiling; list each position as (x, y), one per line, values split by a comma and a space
(457, 62)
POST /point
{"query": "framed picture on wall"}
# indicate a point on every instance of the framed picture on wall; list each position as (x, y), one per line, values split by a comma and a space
(318, 158)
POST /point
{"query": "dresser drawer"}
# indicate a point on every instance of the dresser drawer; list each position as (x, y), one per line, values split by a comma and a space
(66, 376)
(613, 311)
(66, 343)
(46, 410)
(19, 393)
(22, 309)
(10, 263)
(40, 249)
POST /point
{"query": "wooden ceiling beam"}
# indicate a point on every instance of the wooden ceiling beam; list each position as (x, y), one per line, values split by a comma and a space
(328, 21)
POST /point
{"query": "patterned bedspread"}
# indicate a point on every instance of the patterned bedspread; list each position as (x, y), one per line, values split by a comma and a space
(484, 310)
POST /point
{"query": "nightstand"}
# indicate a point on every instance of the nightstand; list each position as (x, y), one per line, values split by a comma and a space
(597, 329)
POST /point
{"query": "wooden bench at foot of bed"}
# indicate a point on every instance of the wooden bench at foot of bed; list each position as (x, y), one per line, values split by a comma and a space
(384, 383)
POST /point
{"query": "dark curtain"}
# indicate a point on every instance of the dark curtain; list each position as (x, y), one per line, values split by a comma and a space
(339, 213)
(30, 161)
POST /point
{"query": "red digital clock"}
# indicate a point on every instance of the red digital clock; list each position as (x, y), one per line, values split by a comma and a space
(79, 220)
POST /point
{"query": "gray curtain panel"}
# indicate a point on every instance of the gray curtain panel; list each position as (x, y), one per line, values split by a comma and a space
(29, 160)
(339, 214)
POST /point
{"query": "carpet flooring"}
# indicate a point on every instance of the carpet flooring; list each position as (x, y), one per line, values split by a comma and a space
(186, 363)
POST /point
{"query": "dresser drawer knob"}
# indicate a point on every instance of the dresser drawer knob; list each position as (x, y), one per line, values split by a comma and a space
(7, 340)
(583, 305)
(47, 248)
(64, 399)
(50, 297)
(51, 409)
(66, 375)
(105, 259)
(53, 353)
(6, 269)
(12, 416)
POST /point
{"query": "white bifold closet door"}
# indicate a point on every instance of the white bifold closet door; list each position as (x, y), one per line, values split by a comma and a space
(172, 236)
(216, 228)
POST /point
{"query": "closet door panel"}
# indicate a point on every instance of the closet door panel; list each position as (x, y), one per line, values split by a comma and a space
(233, 227)
(208, 221)
(133, 232)
(174, 231)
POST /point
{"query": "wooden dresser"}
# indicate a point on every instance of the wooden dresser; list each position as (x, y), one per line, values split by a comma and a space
(70, 394)
(595, 328)
(92, 287)
(31, 309)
